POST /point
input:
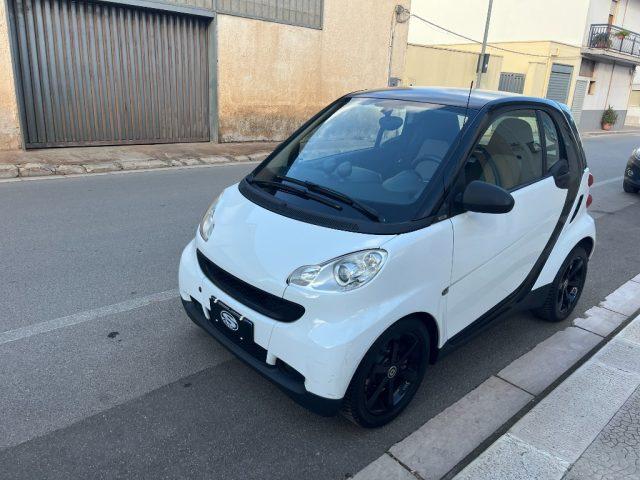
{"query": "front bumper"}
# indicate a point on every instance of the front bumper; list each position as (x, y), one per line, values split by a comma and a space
(288, 382)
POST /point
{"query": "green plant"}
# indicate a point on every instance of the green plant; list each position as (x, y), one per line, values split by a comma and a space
(601, 40)
(609, 116)
(622, 34)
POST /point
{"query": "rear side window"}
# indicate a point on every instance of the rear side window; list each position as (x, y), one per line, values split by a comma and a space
(509, 153)
(552, 143)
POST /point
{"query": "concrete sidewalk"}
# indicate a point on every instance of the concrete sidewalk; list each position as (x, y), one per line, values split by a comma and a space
(465, 433)
(586, 428)
(80, 160)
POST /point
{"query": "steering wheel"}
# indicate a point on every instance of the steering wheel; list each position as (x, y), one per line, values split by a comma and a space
(487, 160)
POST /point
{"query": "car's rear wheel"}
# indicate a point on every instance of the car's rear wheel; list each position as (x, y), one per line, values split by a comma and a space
(627, 187)
(566, 288)
(389, 375)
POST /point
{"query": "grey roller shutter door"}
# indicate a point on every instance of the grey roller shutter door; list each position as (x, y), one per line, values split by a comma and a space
(578, 99)
(559, 83)
(98, 74)
(511, 82)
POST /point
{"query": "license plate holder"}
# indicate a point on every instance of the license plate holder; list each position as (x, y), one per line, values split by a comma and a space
(230, 323)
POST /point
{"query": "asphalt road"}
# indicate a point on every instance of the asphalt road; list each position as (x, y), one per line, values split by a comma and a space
(103, 376)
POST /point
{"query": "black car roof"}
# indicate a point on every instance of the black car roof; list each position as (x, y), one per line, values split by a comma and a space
(456, 97)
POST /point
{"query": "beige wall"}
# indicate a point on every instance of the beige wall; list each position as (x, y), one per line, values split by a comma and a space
(272, 77)
(434, 66)
(9, 121)
(452, 67)
(511, 20)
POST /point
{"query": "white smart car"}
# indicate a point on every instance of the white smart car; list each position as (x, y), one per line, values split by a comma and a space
(387, 229)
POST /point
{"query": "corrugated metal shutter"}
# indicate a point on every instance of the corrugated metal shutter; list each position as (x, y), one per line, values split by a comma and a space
(559, 82)
(306, 13)
(97, 74)
(511, 82)
(578, 99)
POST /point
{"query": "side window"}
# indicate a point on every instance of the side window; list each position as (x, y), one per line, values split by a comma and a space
(509, 152)
(551, 140)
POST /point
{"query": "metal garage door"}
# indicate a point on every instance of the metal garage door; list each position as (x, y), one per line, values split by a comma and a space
(578, 99)
(559, 82)
(511, 82)
(96, 74)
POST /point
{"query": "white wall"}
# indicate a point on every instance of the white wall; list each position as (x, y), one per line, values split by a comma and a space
(616, 95)
(511, 20)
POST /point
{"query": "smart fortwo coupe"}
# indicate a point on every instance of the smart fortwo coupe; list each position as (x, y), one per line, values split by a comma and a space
(386, 230)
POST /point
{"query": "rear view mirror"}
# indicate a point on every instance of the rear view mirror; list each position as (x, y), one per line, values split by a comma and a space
(483, 197)
(390, 123)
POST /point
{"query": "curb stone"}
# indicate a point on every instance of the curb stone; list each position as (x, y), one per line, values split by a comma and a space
(419, 455)
(101, 167)
(8, 171)
(36, 170)
(70, 169)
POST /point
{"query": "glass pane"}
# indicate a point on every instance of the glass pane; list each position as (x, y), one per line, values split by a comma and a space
(509, 153)
(551, 143)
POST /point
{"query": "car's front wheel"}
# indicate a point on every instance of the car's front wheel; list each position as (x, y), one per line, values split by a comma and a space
(566, 288)
(627, 187)
(389, 375)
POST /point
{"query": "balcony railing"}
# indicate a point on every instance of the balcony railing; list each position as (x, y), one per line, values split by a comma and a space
(616, 39)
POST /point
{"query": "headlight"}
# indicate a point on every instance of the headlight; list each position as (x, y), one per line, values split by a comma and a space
(206, 224)
(342, 273)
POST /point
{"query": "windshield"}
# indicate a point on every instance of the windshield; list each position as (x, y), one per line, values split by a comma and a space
(379, 154)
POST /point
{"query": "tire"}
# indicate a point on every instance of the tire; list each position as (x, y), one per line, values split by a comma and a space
(567, 287)
(627, 187)
(385, 382)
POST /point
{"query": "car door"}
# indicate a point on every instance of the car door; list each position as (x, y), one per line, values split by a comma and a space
(494, 253)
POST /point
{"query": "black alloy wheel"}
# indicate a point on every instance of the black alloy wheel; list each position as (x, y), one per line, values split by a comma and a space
(566, 288)
(389, 375)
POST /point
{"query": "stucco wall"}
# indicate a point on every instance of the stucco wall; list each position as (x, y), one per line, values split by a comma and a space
(511, 20)
(9, 121)
(272, 77)
(433, 66)
(613, 87)
(534, 61)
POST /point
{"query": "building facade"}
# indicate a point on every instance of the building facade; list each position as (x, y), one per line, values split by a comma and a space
(108, 72)
(580, 52)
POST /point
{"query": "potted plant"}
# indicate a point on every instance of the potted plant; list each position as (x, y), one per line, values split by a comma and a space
(601, 40)
(609, 118)
(622, 34)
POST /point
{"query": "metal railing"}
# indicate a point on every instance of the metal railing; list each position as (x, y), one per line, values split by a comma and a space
(617, 39)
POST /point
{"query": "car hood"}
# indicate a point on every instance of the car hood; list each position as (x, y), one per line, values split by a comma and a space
(263, 248)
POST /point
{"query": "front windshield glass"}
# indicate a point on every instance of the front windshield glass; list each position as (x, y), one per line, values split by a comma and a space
(380, 153)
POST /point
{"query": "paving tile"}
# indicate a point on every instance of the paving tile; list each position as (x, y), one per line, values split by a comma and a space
(572, 415)
(213, 159)
(142, 164)
(615, 453)
(509, 458)
(540, 367)
(600, 321)
(625, 300)
(442, 442)
(35, 170)
(621, 355)
(384, 468)
(631, 332)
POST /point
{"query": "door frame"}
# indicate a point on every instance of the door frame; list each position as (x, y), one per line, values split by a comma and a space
(212, 46)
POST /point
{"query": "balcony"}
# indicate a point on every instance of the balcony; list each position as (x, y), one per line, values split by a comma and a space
(614, 43)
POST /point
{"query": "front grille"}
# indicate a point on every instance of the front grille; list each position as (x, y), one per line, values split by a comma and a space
(262, 302)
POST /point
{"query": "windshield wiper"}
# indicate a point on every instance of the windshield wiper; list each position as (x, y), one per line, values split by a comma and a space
(294, 191)
(329, 192)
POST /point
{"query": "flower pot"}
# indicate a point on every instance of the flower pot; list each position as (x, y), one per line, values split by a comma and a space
(606, 126)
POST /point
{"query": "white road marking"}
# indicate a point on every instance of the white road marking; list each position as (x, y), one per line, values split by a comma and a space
(606, 182)
(86, 316)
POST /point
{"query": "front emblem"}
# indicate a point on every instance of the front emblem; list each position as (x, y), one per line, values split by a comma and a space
(392, 371)
(230, 322)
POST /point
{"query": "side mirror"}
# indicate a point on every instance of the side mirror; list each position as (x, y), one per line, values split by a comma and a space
(483, 197)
